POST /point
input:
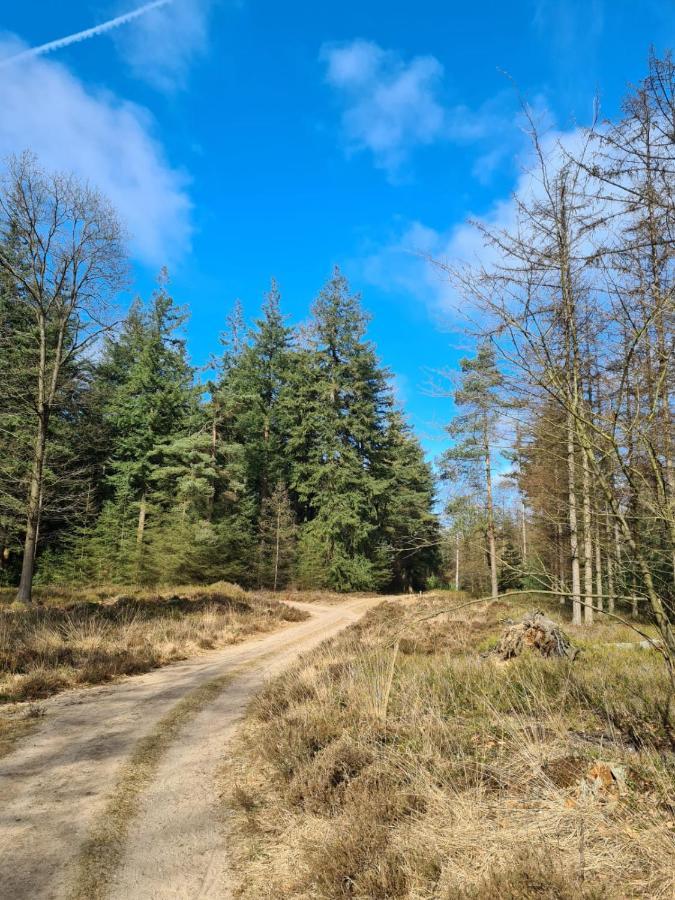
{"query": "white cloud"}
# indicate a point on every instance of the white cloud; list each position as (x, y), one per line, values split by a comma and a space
(102, 139)
(391, 106)
(161, 46)
(406, 263)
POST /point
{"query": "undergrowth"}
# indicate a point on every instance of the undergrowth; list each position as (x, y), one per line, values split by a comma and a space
(399, 761)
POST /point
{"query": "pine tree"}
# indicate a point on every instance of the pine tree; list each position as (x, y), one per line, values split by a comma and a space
(474, 431)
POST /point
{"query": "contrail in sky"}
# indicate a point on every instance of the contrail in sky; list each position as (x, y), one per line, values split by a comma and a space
(85, 35)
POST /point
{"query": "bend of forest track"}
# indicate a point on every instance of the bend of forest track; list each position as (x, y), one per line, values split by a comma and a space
(115, 795)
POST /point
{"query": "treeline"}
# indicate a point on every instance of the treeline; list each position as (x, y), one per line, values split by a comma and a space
(574, 375)
(293, 465)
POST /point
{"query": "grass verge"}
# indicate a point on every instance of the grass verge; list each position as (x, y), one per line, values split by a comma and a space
(397, 762)
(79, 637)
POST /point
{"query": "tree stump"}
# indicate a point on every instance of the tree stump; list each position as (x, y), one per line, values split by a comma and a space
(536, 633)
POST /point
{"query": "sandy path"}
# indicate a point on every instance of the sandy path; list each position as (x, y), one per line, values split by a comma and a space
(54, 786)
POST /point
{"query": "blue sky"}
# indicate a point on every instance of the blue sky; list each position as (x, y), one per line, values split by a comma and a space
(250, 139)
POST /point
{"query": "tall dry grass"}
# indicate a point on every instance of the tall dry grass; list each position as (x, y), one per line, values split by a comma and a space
(396, 762)
(80, 637)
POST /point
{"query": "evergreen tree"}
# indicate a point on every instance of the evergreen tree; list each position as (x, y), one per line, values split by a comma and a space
(148, 403)
(258, 381)
(474, 430)
(153, 403)
(338, 404)
(510, 568)
(409, 525)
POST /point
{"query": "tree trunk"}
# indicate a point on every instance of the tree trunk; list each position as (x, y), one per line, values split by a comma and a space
(611, 589)
(4, 549)
(588, 542)
(457, 562)
(25, 592)
(276, 551)
(598, 568)
(492, 548)
(142, 511)
(574, 533)
(561, 562)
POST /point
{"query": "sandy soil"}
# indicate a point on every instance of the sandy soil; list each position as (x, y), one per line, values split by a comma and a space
(55, 785)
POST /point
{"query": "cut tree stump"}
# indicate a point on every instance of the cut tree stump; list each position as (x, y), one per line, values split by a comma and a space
(536, 633)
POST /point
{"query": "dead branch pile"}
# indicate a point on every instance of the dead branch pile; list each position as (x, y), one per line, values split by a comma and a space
(538, 633)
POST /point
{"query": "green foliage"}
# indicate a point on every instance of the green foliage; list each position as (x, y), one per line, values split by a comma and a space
(363, 489)
(480, 399)
(294, 468)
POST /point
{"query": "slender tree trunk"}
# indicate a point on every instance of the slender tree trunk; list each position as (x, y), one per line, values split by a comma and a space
(25, 592)
(457, 562)
(142, 512)
(634, 599)
(599, 602)
(611, 589)
(663, 352)
(492, 547)
(572, 389)
(276, 551)
(574, 532)
(588, 542)
(561, 562)
(524, 532)
(618, 555)
(4, 549)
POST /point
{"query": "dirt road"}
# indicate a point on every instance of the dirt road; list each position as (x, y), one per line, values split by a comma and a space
(76, 816)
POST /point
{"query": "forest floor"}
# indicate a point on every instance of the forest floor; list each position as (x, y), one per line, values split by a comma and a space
(115, 792)
(403, 759)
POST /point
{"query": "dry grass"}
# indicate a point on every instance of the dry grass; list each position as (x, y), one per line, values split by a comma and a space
(73, 637)
(395, 762)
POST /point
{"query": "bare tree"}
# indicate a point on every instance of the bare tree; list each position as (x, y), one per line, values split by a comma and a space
(66, 264)
(590, 254)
